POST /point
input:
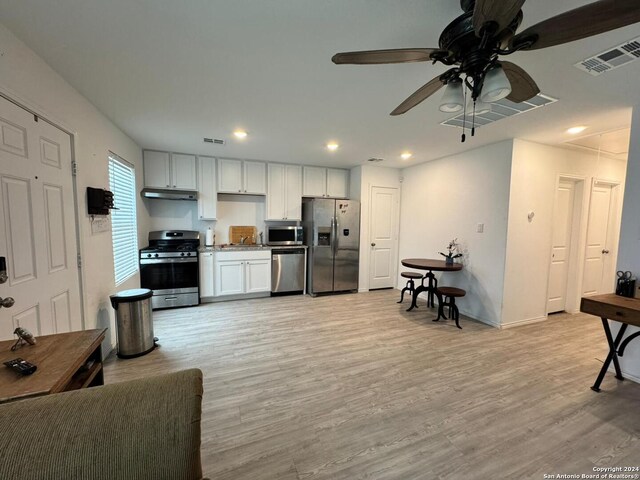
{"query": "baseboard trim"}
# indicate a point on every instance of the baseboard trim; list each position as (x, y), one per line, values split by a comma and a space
(625, 374)
(526, 321)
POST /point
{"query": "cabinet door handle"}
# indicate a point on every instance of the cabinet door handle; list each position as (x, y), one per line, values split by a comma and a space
(239, 191)
(605, 251)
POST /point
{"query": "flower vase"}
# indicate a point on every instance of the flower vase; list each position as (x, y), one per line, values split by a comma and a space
(448, 260)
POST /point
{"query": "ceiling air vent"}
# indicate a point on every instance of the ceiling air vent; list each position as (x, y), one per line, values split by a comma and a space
(499, 110)
(217, 141)
(611, 59)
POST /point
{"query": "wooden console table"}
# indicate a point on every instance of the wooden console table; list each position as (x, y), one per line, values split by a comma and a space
(65, 361)
(621, 309)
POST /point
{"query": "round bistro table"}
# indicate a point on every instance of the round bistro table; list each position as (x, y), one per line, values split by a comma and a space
(431, 265)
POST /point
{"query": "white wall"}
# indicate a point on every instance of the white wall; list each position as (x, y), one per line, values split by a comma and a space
(362, 179)
(27, 79)
(446, 199)
(231, 210)
(629, 248)
(534, 175)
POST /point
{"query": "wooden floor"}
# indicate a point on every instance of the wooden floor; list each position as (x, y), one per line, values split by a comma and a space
(353, 386)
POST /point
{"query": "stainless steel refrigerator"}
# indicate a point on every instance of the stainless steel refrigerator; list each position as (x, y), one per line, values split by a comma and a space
(332, 235)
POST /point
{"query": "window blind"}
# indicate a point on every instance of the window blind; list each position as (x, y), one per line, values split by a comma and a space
(124, 229)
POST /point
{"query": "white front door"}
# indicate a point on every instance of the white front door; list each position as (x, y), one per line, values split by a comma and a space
(599, 265)
(37, 225)
(383, 218)
(561, 246)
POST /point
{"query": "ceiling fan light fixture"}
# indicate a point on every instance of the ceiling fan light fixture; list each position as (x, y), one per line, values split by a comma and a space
(496, 85)
(453, 98)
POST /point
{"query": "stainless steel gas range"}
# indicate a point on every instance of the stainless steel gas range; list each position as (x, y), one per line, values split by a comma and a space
(169, 267)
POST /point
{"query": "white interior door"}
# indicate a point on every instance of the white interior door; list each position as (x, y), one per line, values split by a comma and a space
(600, 249)
(561, 246)
(37, 225)
(383, 221)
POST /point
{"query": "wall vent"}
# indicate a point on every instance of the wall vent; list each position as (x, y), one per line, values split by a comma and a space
(217, 141)
(499, 110)
(611, 59)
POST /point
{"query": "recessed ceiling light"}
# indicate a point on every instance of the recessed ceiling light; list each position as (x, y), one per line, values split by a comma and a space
(333, 146)
(576, 130)
(406, 155)
(240, 134)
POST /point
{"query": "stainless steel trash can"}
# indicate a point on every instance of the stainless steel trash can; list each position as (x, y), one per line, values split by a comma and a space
(134, 323)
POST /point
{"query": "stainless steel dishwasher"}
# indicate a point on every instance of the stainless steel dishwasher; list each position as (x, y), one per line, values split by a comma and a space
(287, 270)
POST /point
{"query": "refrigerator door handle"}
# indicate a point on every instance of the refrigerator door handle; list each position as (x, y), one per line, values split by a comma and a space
(335, 235)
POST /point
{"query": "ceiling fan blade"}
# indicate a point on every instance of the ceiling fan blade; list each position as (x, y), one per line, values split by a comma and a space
(373, 57)
(418, 96)
(523, 87)
(501, 12)
(582, 22)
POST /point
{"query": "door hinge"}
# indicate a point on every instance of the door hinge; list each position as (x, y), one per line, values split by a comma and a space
(79, 261)
(74, 168)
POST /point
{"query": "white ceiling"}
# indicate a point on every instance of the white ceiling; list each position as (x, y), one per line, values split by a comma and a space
(170, 73)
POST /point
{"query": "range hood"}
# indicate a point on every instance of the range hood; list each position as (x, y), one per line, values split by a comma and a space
(169, 194)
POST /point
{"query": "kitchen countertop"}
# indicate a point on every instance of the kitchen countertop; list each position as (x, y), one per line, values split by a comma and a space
(241, 248)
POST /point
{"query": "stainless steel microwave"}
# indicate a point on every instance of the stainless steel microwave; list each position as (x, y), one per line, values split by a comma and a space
(284, 235)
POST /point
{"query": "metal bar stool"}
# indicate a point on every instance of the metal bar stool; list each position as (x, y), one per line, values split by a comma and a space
(411, 286)
(450, 294)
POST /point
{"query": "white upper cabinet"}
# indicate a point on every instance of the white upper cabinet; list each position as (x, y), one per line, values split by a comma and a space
(207, 195)
(157, 172)
(284, 197)
(314, 182)
(325, 182)
(183, 171)
(337, 183)
(229, 176)
(293, 201)
(255, 178)
(169, 170)
(241, 176)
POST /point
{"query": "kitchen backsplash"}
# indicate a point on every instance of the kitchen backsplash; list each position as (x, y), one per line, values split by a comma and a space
(232, 210)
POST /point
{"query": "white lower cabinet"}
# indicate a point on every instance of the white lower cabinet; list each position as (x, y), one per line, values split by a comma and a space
(257, 276)
(206, 275)
(239, 273)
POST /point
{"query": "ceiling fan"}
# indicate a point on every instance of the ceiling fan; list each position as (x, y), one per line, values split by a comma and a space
(475, 41)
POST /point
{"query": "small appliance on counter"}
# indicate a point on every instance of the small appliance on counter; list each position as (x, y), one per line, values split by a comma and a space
(284, 235)
(169, 267)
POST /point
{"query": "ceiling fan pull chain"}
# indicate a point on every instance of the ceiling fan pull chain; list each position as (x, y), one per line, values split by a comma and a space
(464, 117)
(473, 120)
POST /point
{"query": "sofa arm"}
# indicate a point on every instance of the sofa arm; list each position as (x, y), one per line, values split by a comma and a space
(140, 429)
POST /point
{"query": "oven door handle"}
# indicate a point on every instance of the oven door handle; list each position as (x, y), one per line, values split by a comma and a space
(150, 261)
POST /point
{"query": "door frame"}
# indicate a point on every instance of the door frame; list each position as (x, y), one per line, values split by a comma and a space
(18, 100)
(577, 245)
(394, 273)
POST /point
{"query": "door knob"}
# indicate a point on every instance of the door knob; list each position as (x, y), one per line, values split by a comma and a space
(605, 251)
(7, 302)
(373, 244)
